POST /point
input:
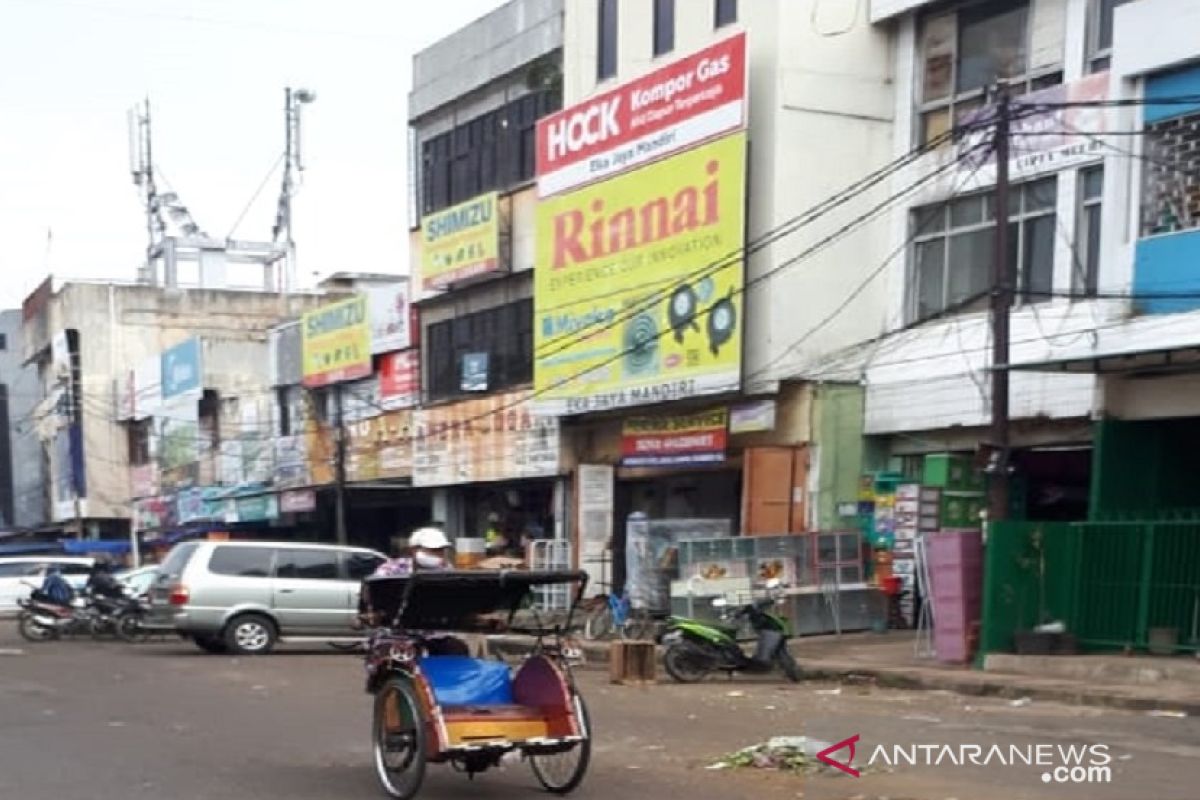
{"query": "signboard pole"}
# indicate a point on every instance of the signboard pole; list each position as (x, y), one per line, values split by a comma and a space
(340, 436)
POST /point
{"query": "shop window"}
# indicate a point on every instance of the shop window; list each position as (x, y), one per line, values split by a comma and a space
(965, 52)
(1100, 33)
(724, 13)
(606, 40)
(503, 335)
(664, 26)
(953, 248)
(494, 151)
(1085, 276)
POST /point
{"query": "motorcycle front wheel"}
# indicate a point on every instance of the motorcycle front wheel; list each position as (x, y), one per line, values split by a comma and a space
(687, 663)
(31, 631)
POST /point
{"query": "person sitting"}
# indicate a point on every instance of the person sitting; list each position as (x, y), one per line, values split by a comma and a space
(101, 582)
(427, 550)
(55, 588)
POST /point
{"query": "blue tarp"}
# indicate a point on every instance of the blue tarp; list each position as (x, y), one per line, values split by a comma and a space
(82, 547)
(463, 681)
(30, 548)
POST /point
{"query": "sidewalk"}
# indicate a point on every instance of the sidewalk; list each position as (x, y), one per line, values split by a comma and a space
(1138, 683)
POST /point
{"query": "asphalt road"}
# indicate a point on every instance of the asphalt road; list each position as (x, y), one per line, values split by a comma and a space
(113, 722)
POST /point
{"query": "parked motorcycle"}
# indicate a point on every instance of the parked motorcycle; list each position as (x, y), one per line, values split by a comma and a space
(695, 648)
(41, 619)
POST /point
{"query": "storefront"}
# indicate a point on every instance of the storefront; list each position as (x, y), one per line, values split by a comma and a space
(492, 461)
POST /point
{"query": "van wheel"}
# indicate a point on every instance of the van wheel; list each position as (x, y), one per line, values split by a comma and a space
(250, 635)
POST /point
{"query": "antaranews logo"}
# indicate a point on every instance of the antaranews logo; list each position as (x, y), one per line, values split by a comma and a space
(1060, 763)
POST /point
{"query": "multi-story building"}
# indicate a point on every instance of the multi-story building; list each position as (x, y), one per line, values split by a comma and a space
(22, 487)
(143, 389)
(479, 451)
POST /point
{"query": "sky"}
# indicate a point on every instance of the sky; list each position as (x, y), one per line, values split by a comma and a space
(214, 72)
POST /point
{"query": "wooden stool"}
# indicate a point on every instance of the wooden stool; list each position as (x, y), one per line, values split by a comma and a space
(632, 662)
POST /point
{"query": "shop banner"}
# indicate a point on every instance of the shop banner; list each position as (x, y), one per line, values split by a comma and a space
(669, 110)
(1046, 141)
(752, 417)
(291, 466)
(400, 379)
(396, 445)
(460, 242)
(362, 449)
(638, 285)
(320, 450)
(181, 370)
(298, 501)
(256, 508)
(153, 513)
(492, 438)
(336, 342)
(391, 317)
(661, 441)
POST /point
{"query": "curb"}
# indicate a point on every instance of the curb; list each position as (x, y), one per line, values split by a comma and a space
(968, 684)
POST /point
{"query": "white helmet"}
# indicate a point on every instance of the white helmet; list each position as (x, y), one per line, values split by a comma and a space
(428, 539)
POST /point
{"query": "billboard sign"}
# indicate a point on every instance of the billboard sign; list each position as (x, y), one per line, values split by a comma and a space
(391, 317)
(666, 111)
(460, 242)
(181, 369)
(490, 438)
(638, 284)
(678, 440)
(336, 342)
(400, 379)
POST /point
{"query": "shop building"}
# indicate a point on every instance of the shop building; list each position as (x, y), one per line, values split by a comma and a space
(487, 460)
(87, 341)
(668, 328)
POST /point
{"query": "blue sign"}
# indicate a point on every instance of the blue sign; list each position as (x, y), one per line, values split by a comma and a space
(475, 372)
(181, 369)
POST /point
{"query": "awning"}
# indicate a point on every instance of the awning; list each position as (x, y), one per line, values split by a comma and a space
(30, 548)
(1153, 344)
(82, 547)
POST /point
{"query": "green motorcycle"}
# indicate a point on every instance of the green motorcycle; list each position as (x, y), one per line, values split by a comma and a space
(694, 648)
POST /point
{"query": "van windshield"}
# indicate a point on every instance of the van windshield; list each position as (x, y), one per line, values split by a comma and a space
(177, 559)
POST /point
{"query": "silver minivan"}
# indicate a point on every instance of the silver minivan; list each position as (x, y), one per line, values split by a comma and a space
(243, 597)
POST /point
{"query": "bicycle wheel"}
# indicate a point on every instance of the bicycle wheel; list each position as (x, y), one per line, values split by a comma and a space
(561, 772)
(399, 739)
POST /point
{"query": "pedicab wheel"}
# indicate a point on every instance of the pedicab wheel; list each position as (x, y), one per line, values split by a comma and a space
(560, 773)
(399, 739)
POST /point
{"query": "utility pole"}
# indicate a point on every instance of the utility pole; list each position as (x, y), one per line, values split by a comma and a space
(75, 429)
(1001, 304)
(340, 465)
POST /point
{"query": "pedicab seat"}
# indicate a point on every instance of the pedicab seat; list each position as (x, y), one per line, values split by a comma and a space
(464, 681)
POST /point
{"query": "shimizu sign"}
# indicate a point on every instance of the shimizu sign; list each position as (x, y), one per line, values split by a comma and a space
(336, 342)
(671, 109)
(461, 242)
(636, 296)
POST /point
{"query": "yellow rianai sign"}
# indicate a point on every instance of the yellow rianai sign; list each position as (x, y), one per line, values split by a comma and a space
(638, 284)
(336, 342)
(460, 242)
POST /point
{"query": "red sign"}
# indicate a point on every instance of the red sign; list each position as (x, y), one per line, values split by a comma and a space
(400, 379)
(671, 109)
(692, 439)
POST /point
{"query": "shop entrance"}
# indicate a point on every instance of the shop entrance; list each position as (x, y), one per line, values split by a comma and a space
(714, 494)
(521, 509)
(1053, 483)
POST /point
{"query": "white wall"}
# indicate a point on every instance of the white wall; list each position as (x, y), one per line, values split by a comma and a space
(820, 118)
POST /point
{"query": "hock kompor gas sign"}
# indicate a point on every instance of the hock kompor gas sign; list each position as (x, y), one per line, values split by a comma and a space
(668, 110)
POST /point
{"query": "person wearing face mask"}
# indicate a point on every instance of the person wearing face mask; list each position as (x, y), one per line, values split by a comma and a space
(428, 550)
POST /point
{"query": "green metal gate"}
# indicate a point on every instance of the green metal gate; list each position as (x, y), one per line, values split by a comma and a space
(1111, 583)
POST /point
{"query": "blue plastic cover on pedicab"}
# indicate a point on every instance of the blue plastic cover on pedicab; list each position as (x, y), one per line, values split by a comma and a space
(464, 681)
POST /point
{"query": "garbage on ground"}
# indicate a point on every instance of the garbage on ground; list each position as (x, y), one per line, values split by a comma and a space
(735, 694)
(1170, 714)
(921, 718)
(829, 692)
(1021, 702)
(784, 753)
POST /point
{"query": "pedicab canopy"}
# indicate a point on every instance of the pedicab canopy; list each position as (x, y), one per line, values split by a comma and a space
(460, 600)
